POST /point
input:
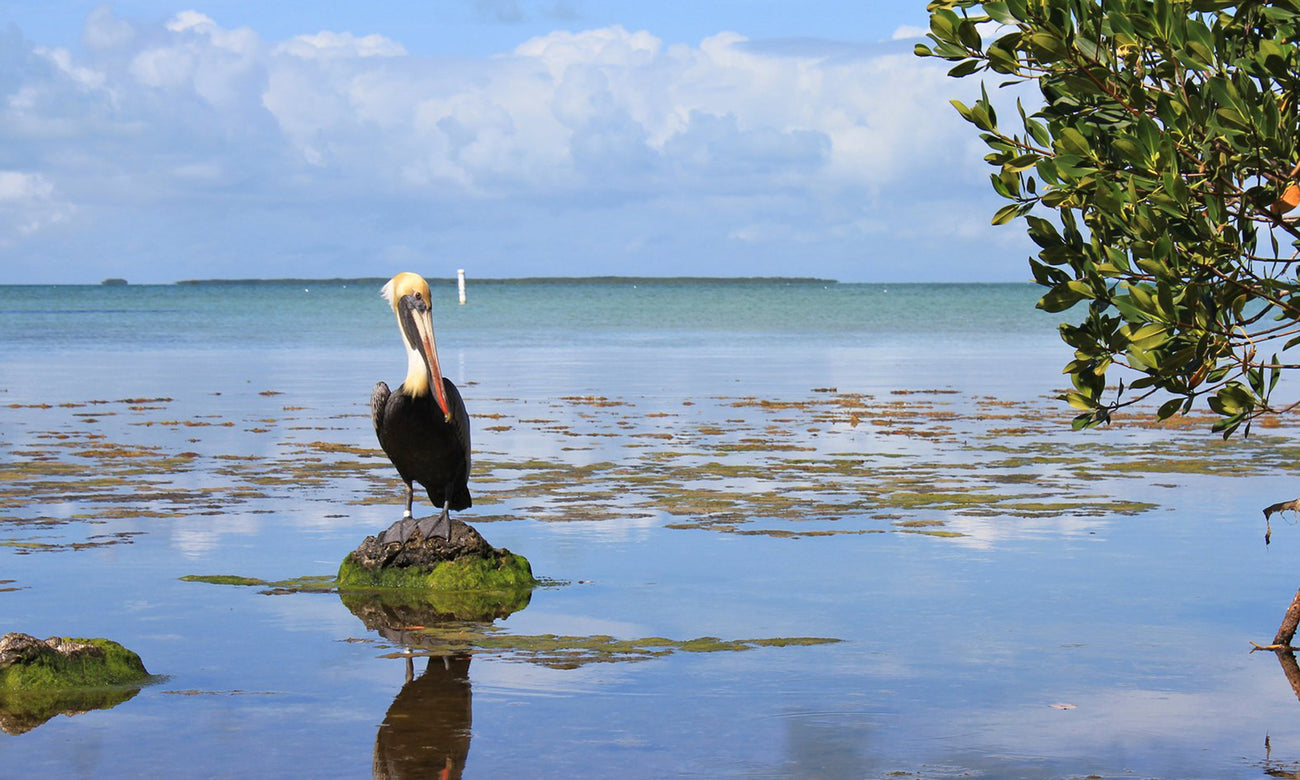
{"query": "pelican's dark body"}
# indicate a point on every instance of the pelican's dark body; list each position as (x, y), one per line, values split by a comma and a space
(422, 444)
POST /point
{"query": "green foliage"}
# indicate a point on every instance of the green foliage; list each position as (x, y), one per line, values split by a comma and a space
(1150, 180)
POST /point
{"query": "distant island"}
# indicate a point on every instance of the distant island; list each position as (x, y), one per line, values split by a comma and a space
(542, 280)
(114, 282)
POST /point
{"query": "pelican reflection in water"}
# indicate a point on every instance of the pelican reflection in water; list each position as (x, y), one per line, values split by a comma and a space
(422, 426)
(426, 731)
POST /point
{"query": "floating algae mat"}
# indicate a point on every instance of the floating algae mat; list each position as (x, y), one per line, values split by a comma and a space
(571, 652)
(306, 584)
(446, 623)
(825, 464)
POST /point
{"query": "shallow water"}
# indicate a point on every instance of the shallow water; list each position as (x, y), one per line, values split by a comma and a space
(1011, 599)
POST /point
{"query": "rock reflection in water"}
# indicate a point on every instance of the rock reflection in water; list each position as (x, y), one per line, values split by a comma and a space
(394, 614)
(20, 713)
(426, 732)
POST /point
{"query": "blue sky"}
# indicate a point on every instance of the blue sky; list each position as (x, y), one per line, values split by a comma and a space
(158, 141)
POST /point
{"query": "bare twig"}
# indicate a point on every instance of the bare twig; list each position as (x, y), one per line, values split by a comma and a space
(1275, 647)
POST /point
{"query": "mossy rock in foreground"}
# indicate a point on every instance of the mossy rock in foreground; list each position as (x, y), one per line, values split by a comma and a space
(62, 676)
(28, 663)
(461, 564)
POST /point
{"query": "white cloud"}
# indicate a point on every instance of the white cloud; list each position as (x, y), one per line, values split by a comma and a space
(163, 67)
(908, 32)
(27, 204)
(786, 143)
(191, 20)
(326, 45)
(104, 32)
(609, 47)
(62, 59)
(223, 67)
(18, 187)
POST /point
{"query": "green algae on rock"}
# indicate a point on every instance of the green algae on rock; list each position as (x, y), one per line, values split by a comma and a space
(463, 563)
(505, 571)
(62, 675)
(28, 663)
(465, 577)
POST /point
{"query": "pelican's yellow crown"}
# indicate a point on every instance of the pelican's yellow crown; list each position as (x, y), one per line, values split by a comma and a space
(402, 285)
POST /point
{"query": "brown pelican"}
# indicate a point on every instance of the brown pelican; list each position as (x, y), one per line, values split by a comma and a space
(423, 426)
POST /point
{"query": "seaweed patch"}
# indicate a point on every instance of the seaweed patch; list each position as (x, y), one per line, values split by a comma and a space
(910, 461)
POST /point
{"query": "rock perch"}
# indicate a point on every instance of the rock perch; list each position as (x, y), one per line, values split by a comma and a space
(464, 562)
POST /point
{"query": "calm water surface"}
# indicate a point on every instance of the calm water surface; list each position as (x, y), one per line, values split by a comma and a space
(1095, 639)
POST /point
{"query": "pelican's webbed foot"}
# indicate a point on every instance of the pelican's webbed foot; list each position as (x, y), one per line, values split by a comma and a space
(404, 529)
(399, 531)
(435, 526)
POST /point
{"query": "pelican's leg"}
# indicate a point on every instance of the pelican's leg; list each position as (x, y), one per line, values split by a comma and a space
(444, 520)
(401, 530)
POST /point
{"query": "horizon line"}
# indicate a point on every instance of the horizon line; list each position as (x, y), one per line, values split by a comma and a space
(598, 279)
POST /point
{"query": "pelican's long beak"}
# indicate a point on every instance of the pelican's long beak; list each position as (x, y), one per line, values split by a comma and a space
(417, 326)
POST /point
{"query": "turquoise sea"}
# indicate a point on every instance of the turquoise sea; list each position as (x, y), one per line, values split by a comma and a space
(545, 337)
(786, 528)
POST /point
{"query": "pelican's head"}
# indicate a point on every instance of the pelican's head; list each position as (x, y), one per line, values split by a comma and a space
(408, 294)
